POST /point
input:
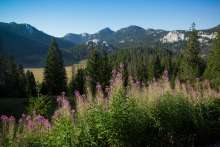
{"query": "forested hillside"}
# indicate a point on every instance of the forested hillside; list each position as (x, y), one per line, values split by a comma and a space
(29, 45)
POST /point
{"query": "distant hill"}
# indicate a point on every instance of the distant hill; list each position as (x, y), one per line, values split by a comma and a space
(29, 45)
(134, 36)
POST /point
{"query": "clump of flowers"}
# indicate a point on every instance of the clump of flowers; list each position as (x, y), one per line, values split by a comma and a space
(8, 129)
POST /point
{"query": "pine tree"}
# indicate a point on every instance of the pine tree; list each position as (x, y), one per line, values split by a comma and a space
(125, 75)
(93, 65)
(190, 61)
(78, 82)
(10, 79)
(212, 71)
(30, 84)
(158, 70)
(43, 88)
(150, 69)
(21, 82)
(105, 71)
(54, 73)
(99, 70)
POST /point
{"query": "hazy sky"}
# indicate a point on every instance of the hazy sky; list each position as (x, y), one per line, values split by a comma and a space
(58, 17)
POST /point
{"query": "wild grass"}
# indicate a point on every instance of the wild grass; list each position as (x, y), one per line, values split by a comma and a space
(39, 72)
(156, 115)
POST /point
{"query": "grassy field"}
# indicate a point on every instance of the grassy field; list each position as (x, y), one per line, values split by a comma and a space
(38, 72)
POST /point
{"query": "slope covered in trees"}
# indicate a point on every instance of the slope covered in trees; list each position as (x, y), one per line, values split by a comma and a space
(212, 71)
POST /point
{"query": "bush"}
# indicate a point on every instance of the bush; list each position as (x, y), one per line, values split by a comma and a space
(130, 123)
(176, 120)
(124, 123)
(62, 133)
(42, 105)
(98, 125)
(209, 125)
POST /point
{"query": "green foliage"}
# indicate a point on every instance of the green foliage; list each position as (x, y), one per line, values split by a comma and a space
(13, 81)
(158, 70)
(31, 84)
(190, 65)
(40, 105)
(212, 71)
(168, 121)
(93, 69)
(130, 124)
(144, 64)
(209, 124)
(62, 133)
(125, 123)
(54, 74)
(125, 75)
(78, 82)
(176, 119)
(98, 125)
(99, 70)
(105, 69)
(21, 82)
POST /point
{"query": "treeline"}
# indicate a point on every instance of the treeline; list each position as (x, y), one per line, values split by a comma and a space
(145, 65)
(14, 82)
(142, 65)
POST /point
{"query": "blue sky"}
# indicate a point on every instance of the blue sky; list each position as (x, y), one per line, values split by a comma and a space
(58, 17)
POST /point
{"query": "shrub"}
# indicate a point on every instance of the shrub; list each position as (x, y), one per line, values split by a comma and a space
(176, 119)
(8, 129)
(42, 105)
(209, 125)
(130, 123)
(98, 125)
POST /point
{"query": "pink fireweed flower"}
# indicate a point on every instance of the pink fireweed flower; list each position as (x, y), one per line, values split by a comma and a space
(77, 93)
(20, 120)
(4, 118)
(138, 83)
(30, 124)
(65, 103)
(80, 99)
(165, 75)
(98, 87)
(46, 124)
(114, 73)
(39, 119)
(11, 118)
(63, 94)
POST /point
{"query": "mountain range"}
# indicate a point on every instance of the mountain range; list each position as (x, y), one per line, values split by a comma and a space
(29, 46)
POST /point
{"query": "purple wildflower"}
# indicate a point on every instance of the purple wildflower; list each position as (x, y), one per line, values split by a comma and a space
(4, 118)
(30, 124)
(11, 118)
(46, 124)
(98, 87)
(39, 119)
(77, 93)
